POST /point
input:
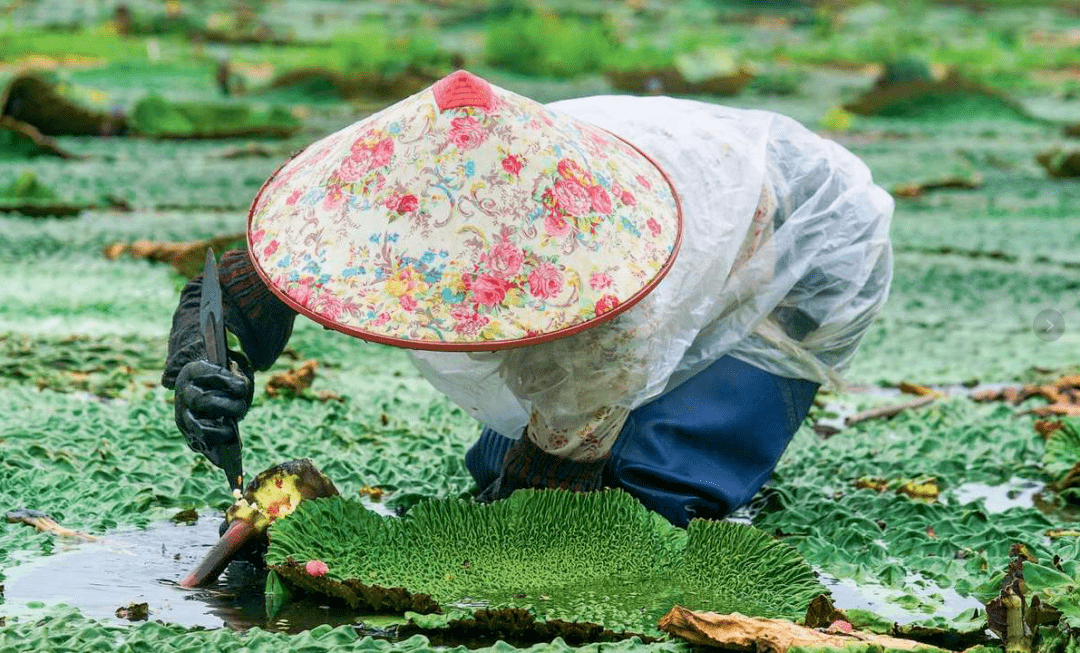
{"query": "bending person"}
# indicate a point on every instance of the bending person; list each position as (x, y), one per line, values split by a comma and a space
(642, 293)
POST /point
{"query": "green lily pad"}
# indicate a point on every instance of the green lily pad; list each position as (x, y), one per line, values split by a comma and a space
(946, 100)
(27, 187)
(1057, 584)
(157, 118)
(19, 140)
(706, 63)
(599, 559)
(28, 196)
(1062, 450)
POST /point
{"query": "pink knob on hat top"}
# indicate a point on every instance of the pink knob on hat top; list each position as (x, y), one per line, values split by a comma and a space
(462, 89)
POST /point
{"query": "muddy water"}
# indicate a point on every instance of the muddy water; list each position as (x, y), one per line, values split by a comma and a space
(144, 566)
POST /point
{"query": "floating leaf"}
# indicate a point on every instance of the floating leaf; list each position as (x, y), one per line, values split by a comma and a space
(187, 257)
(20, 140)
(1057, 584)
(155, 117)
(1062, 450)
(292, 382)
(943, 100)
(742, 633)
(1059, 163)
(599, 558)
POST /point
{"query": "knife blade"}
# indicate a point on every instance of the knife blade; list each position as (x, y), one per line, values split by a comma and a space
(212, 324)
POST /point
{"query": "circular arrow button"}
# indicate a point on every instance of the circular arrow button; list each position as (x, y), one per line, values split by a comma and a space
(1049, 325)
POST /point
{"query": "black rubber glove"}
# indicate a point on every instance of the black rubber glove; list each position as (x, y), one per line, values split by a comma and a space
(207, 396)
(528, 466)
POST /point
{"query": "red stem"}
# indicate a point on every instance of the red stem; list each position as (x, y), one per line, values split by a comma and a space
(219, 555)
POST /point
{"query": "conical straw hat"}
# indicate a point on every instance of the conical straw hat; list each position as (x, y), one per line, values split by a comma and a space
(465, 217)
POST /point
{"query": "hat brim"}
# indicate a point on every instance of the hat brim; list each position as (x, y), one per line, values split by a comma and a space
(484, 345)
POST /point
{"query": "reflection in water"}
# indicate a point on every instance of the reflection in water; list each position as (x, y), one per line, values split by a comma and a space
(880, 600)
(144, 566)
(1017, 493)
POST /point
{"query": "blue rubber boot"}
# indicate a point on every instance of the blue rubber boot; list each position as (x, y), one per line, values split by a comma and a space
(702, 450)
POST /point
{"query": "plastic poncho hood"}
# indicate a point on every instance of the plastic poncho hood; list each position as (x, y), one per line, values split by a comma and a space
(465, 217)
(785, 262)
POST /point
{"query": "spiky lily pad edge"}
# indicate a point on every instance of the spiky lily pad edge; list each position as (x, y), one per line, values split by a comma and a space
(712, 565)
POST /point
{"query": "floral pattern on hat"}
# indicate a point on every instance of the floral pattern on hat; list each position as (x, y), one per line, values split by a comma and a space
(473, 227)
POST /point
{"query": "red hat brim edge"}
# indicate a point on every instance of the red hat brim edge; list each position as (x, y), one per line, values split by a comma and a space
(487, 345)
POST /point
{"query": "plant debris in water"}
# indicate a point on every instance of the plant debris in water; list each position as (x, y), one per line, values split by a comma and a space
(741, 633)
(294, 381)
(133, 612)
(1060, 164)
(598, 558)
(1062, 395)
(44, 523)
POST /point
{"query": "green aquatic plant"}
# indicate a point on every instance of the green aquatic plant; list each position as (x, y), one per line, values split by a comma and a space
(27, 195)
(66, 631)
(1062, 461)
(105, 366)
(1062, 450)
(913, 553)
(1057, 584)
(947, 100)
(547, 45)
(27, 188)
(155, 117)
(598, 558)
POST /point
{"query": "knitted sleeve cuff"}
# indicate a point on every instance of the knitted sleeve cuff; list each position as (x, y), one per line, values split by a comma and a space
(528, 466)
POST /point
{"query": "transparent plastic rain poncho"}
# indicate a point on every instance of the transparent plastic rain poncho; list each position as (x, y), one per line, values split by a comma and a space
(785, 261)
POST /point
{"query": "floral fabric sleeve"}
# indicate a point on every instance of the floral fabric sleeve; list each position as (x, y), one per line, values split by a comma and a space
(588, 443)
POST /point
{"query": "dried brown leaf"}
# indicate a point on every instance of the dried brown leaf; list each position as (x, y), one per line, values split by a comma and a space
(868, 483)
(1055, 410)
(292, 381)
(737, 632)
(910, 388)
(1058, 533)
(821, 613)
(987, 395)
(187, 257)
(1046, 427)
(923, 488)
(884, 412)
(373, 493)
